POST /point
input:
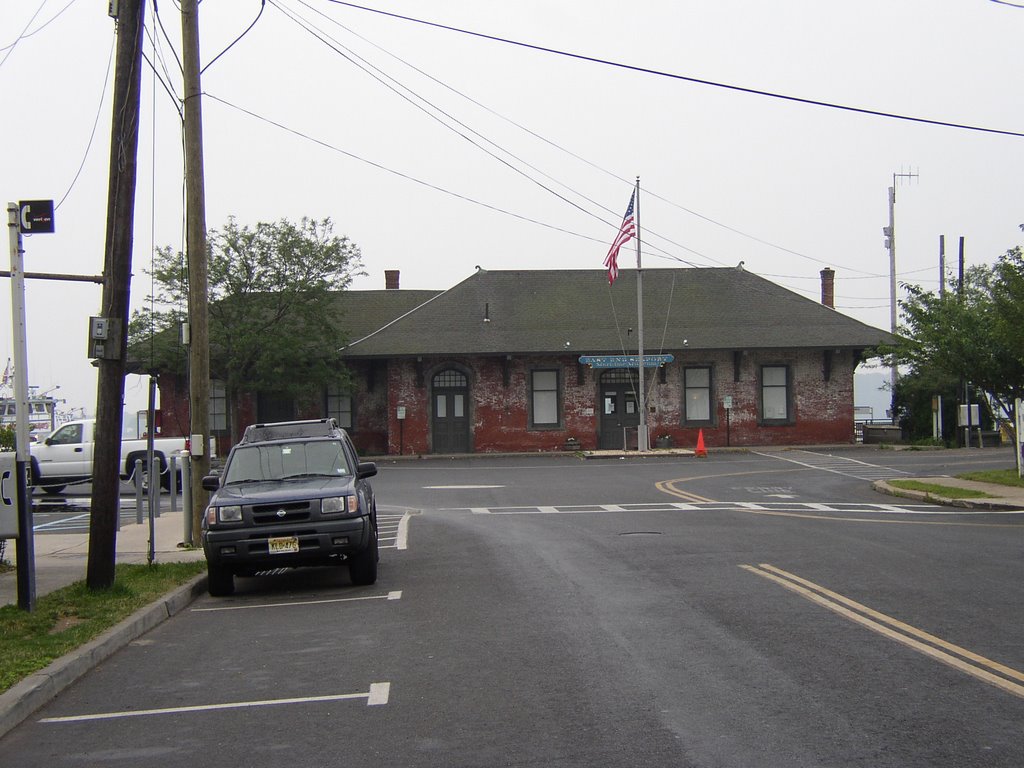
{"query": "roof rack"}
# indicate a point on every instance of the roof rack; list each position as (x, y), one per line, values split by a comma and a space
(288, 430)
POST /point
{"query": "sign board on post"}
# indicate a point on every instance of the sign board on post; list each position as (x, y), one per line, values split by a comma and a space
(35, 217)
(8, 497)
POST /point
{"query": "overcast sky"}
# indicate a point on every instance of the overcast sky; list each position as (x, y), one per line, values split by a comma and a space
(437, 151)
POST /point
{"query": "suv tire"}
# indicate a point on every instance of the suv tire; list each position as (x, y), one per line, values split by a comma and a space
(362, 568)
(220, 580)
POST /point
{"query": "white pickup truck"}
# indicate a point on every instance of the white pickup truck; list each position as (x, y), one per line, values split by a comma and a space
(66, 456)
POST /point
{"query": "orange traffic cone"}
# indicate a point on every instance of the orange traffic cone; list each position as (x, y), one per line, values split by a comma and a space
(701, 450)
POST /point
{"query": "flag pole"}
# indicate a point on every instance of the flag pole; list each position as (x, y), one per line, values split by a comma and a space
(643, 442)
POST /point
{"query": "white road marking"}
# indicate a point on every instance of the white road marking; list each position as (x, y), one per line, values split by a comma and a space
(375, 697)
(61, 522)
(840, 507)
(839, 465)
(397, 595)
(459, 487)
(402, 542)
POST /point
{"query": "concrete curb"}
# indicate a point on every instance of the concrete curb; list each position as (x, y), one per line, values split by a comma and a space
(22, 699)
(993, 505)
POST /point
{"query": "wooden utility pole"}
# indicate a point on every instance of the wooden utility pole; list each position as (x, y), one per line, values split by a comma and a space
(117, 269)
(198, 315)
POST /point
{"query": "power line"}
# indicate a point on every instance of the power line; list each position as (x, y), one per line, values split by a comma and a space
(584, 160)
(687, 78)
(22, 36)
(263, 4)
(41, 27)
(95, 122)
(393, 172)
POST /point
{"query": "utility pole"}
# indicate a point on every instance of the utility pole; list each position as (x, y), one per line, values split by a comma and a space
(198, 315)
(117, 270)
(942, 266)
(890, 244)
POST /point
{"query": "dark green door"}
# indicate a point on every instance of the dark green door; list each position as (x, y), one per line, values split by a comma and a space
(620, 410)
(450, 417)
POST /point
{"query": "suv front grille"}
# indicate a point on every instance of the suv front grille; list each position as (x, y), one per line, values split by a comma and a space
(290, 512)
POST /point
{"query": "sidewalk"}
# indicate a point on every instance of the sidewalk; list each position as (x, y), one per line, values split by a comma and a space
(1004, 497)
(61, 558)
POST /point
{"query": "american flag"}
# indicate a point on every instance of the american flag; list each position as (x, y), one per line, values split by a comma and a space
(626, 232)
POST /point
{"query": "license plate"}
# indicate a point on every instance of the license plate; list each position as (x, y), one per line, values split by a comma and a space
(283, 545)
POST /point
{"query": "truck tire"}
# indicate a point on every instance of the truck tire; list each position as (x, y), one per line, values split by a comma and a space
(220, 580)
(165, 480)
(158, 466)
(362, 568)
(53, 489)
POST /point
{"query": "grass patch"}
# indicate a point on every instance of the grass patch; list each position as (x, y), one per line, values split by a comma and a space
(998, 476)
(946, 491)
(74, 615)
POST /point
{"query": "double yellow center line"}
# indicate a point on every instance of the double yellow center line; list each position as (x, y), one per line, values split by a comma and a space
(992, 672)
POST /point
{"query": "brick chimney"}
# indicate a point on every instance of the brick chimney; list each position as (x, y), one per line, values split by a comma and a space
(391, 279)
(828, 287)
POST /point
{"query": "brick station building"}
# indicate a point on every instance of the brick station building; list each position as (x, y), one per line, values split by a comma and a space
(494, 364)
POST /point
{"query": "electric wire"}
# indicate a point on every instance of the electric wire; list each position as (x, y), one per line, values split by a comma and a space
(348, 55)
(584, 160)
(400, 174)
(22, 36)
(160, 23)
(307, 25)
(466, 198)
(40, 28)
(687, 78)
(318, 35)
(263, 4)
(95, 123)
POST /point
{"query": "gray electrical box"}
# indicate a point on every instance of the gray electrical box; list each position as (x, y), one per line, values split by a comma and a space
(104, 338)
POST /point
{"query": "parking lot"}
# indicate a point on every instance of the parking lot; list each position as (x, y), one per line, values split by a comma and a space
(747, 610)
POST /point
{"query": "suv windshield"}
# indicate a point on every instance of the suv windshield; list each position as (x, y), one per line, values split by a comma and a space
(279, 461)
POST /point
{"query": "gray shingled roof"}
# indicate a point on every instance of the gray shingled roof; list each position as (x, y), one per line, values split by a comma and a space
(531, 311)
(366, 311)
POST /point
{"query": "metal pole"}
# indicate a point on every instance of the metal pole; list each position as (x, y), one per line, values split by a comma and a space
(25, 545)
(138, 491)
(153, 475)
(173, 469)
(186, 494)
(642, 441)
(893, 374)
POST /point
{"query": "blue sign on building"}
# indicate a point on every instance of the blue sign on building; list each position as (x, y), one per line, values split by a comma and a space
(625, 361)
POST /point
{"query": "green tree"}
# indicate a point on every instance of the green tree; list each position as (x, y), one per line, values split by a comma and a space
(7, 438)
(275, 321)
(973, 334)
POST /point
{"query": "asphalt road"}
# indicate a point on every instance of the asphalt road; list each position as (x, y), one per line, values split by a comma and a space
(749, 609)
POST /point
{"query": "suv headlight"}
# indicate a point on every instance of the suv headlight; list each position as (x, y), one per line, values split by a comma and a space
(228, 514)
(336, 504)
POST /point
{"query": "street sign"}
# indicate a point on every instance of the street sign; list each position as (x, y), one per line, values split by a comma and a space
(8, 497)
(35, 217)
(625, 361)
